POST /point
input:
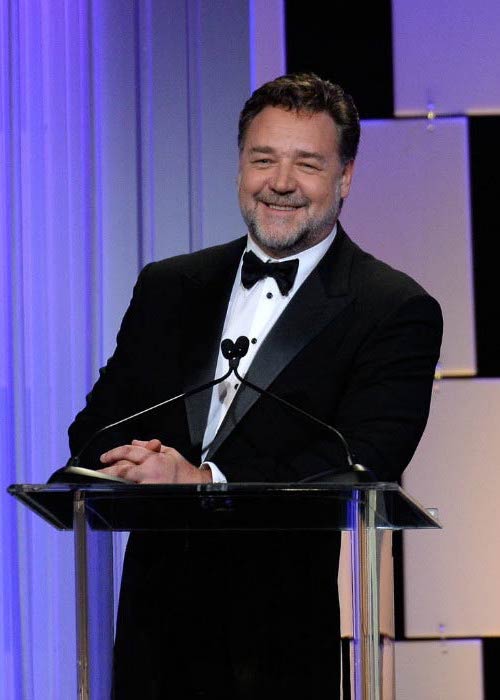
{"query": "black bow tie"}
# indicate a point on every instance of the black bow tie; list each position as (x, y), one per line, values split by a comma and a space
(254, 269)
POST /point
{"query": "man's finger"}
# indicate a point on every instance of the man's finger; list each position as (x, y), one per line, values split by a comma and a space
(125, 470)
(154, 445)
(119, 463)
(119, 469)
(130, 453)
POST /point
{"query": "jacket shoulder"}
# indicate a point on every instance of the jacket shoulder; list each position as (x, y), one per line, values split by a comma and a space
(199, 264)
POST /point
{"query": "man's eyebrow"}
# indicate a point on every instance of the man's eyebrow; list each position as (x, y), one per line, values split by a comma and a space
(297, 154)
(261, 149)
(310, 155)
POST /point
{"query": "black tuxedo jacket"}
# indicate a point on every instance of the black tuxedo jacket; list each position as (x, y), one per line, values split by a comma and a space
(239, 616)
(357, 347)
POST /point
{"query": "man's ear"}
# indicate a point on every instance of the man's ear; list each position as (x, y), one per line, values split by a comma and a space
(346, 179)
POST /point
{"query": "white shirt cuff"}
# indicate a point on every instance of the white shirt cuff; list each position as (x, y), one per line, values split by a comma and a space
(217, 476)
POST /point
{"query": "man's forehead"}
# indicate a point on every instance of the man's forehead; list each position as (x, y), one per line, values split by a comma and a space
(307, 134)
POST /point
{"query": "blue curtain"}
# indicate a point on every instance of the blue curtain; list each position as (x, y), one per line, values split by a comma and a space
(69, 254)
(117, 146)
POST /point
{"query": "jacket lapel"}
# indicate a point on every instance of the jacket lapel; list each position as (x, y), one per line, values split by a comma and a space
(208, 289)
(321, 298)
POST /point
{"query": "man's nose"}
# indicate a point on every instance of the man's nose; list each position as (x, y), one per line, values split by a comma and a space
(283, 180)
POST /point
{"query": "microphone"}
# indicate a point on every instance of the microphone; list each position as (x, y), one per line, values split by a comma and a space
(233, 352)
(74, 473)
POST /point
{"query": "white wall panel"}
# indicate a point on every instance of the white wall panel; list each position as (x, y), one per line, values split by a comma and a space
(222, 88)
(409, 206)
(439, 670)
(163, 183)
(451, 576)
(267, 40)
(446, 53)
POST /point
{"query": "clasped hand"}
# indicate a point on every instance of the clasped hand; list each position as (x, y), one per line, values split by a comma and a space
(150, 462)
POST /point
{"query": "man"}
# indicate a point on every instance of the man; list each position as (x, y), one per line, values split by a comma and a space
(351, 341)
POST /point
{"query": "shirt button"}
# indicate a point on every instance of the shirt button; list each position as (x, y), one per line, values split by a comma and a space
(269, 295)
(254, 340)
(236, 386)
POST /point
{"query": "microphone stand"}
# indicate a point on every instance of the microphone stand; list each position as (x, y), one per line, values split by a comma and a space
(233, 352)
(74, 473)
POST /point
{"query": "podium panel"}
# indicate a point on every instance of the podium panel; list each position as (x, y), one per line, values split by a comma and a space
(94, 511)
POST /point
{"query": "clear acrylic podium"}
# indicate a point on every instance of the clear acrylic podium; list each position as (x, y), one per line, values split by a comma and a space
(95, 511)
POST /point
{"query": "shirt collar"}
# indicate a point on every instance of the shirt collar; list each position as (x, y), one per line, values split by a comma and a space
(308, 259)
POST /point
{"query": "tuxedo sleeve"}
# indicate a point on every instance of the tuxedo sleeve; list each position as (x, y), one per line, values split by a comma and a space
(384, 408)
(137, 375)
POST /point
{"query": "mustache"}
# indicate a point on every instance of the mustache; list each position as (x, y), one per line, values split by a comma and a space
(284, 201)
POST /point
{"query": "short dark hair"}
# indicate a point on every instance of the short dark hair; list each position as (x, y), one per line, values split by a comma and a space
(306, 92)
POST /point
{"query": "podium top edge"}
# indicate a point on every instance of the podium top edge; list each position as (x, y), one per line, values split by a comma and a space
(232, 487)
(394, 508)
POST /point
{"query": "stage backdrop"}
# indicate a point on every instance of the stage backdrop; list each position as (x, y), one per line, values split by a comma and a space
(117, 146)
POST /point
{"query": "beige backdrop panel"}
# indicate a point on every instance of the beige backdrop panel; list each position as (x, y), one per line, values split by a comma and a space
(447, 54)
(452, 576)
(409, 206)
(439, 670)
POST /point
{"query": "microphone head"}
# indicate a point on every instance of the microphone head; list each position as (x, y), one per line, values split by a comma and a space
(233, 352)
(227, 348)
(241, 346)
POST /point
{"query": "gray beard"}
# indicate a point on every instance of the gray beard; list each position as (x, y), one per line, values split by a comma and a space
(295, 241)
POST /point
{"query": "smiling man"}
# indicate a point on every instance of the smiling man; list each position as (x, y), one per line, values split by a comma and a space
(292, 179)
(334, 331)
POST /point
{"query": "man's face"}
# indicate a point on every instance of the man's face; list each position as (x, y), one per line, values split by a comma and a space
(291, 180)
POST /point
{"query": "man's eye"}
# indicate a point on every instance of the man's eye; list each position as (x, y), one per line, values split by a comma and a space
(262, 161)
(307, 166)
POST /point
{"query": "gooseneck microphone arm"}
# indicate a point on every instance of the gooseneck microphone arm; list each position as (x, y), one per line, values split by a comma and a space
(75, 461)
(313, 419)
(73, 473)
(233, 352)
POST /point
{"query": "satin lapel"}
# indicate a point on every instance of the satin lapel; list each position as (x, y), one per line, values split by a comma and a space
(207, 292)
(320, 299)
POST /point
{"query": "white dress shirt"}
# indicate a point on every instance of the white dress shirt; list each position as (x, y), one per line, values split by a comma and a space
(253, 312)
